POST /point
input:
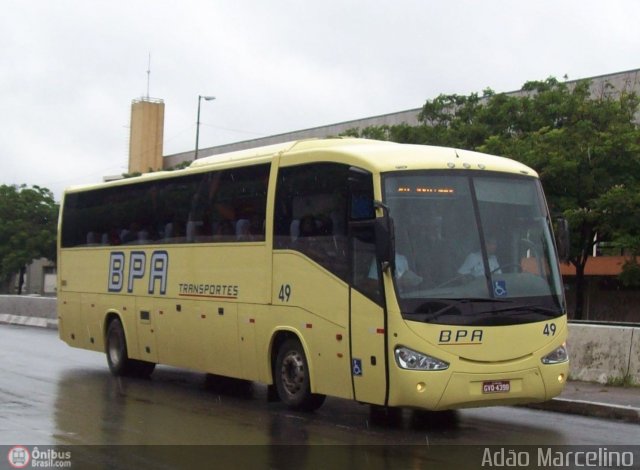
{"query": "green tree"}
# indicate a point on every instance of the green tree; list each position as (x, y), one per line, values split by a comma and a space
(620, 207)
(584, 143)
(586, 147)
(28, 221)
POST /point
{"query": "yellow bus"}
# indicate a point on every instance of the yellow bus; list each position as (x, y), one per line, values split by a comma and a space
(391, 274)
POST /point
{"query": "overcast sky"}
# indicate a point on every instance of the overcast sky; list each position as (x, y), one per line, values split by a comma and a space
(70, 68)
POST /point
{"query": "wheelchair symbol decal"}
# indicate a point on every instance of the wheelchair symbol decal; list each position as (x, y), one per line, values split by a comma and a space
(356, 367)
(500, 288)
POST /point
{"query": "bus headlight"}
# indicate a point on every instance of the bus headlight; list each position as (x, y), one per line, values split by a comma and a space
(557, 356)
(409, 359)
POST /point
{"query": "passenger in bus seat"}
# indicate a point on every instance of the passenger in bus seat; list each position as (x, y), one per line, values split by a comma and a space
(130, 235)
(144, 236)
(114, 237)
(92, 238)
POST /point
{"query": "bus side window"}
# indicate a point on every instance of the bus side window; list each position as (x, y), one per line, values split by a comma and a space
(229, 206)
(311, 214)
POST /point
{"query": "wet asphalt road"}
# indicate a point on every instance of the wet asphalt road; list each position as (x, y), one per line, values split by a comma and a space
(51, 394)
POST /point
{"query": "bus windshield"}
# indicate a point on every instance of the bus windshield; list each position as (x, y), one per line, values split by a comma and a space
(473, 248)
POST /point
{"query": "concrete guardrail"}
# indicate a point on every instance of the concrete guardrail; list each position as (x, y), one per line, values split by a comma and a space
(29, 310)
(604, 354)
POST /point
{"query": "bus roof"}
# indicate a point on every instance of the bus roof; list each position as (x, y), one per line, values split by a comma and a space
(373, 155)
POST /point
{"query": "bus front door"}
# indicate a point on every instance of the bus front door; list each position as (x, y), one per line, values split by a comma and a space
(368, 357)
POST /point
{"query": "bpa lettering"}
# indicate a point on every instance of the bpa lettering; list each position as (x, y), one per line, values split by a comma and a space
(460, 336)
(136, 269)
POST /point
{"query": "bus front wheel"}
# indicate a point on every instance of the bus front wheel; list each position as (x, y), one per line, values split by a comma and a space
(292, 378)
(117, 356)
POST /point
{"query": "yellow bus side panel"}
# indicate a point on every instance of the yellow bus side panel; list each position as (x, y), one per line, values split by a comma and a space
(70, 324)
(311, 287)
(204, 272)
(200, 335)
(248, 316)
(315, 308)
(189, 320)
(146, 318)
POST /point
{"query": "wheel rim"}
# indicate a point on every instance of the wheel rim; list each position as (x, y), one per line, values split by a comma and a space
(293, 373)
(115, 348)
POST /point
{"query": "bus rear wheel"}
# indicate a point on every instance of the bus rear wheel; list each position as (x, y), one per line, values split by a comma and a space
(118, 358)
(292, 378)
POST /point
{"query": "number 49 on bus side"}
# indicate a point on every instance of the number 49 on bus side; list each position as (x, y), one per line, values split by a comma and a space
(285, 293)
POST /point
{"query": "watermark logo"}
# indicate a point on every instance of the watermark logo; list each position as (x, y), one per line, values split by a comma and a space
(559, 457)
(19, 457)
(50, 457)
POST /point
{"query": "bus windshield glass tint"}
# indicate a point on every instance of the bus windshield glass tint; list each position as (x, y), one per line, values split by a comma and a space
(473, 248)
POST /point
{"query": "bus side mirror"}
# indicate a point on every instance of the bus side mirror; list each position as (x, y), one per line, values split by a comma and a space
(563, 242)
(385, 239)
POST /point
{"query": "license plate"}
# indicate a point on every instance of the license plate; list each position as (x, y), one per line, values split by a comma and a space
(496, 386)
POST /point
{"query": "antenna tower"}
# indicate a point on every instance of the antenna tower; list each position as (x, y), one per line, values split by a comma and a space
(148, 75)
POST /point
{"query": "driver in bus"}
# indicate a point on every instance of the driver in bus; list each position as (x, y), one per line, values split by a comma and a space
(473, 264)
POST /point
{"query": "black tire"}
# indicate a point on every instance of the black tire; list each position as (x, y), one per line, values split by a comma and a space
(385, 416)
(143, 369)
(292, 378)
(117, 356)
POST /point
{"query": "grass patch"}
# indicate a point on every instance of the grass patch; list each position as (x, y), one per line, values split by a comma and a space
(624, 381)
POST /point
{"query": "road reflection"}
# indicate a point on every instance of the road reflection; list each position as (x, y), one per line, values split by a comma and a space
(231, 418)
(175, 407)
(234, 421)
(181, 407)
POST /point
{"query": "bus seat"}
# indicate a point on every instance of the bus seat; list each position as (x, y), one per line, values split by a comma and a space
(243, 229)
(294, 229)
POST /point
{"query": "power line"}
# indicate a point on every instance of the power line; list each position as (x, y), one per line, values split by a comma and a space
(234, 130)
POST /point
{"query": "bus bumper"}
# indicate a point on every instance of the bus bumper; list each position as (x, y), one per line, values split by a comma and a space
(451, 390)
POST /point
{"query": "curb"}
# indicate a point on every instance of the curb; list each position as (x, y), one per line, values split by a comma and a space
(23, 320)
(592, 409)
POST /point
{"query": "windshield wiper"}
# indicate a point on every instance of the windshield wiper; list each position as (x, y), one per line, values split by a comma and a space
(484, 299)
(456, 302)
(524, 309)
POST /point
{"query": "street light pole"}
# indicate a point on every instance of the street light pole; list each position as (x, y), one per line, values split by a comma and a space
(207, 98)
